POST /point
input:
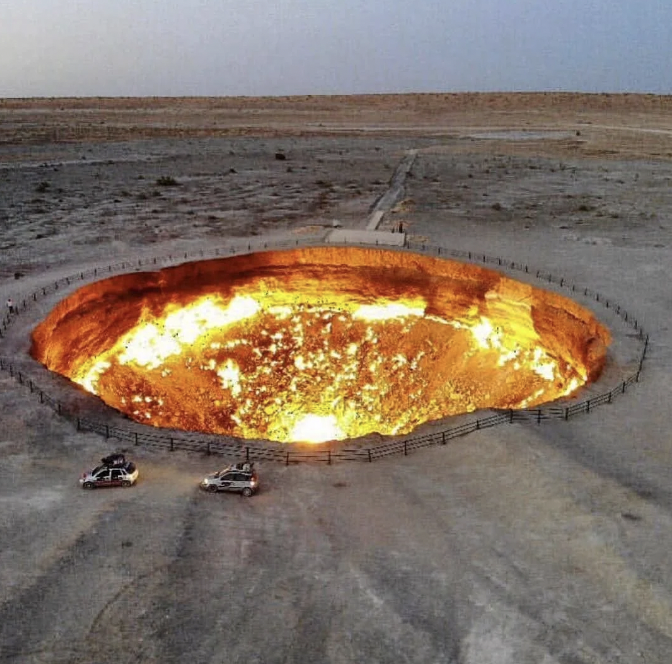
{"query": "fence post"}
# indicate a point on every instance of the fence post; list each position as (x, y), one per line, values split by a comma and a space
(588, 406)
(405, 448)
(287, 459)
(369, 451)
(107, 431)
(443, 438)
(172, 444)
(538, 415)
(79, 425)
(247, 454)
(566, 413)
(329, 457)
(510, 415)
(623, 388)
(136, 437)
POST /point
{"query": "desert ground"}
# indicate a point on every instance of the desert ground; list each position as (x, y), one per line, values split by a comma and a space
(522, 544)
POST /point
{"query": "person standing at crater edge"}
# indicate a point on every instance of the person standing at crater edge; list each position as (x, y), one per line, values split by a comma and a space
(10, 305)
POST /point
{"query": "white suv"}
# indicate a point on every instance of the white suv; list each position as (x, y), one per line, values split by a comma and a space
(240, 477)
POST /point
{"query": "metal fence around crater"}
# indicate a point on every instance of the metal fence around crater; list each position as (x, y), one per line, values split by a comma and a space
(222, 445)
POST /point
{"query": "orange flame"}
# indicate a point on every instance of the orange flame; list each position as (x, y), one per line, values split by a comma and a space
(291, 368)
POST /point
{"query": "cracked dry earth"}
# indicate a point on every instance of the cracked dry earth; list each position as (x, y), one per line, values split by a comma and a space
(521, 544)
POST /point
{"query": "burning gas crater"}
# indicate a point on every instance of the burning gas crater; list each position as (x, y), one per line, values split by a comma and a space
(319, 344)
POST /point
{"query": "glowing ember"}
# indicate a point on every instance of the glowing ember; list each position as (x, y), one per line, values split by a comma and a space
(285, 353)
(316, 429)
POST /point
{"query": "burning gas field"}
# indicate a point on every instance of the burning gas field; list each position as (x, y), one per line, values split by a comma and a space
(319, 344)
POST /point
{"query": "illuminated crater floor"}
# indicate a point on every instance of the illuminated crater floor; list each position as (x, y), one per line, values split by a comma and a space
(319, 344)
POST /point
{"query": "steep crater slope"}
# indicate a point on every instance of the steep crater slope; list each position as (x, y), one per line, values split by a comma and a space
(319, 343)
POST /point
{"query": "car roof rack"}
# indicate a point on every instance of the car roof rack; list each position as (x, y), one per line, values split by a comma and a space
(114, 460)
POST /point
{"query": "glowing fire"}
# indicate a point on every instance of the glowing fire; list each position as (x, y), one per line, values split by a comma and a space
(286, 363)
(317, 429)
(301, 371)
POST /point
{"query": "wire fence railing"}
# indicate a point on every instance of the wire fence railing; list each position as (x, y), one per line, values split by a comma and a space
(137, 434)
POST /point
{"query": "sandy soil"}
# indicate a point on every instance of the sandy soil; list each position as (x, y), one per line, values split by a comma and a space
(516, 545)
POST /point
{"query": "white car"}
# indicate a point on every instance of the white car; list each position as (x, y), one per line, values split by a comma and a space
(240, 477)
(114, 471)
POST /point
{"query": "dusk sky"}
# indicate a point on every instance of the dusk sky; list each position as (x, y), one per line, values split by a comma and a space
(282, 47)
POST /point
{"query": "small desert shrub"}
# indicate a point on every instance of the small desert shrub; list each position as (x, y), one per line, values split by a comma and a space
(42, 187)
(167, 181)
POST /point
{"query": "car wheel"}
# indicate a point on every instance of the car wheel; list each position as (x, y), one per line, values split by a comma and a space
(89, 485)
(212, 488)
(247, 492)
(125, 483)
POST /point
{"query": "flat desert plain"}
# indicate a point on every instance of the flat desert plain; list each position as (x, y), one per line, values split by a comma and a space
(521, 544)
